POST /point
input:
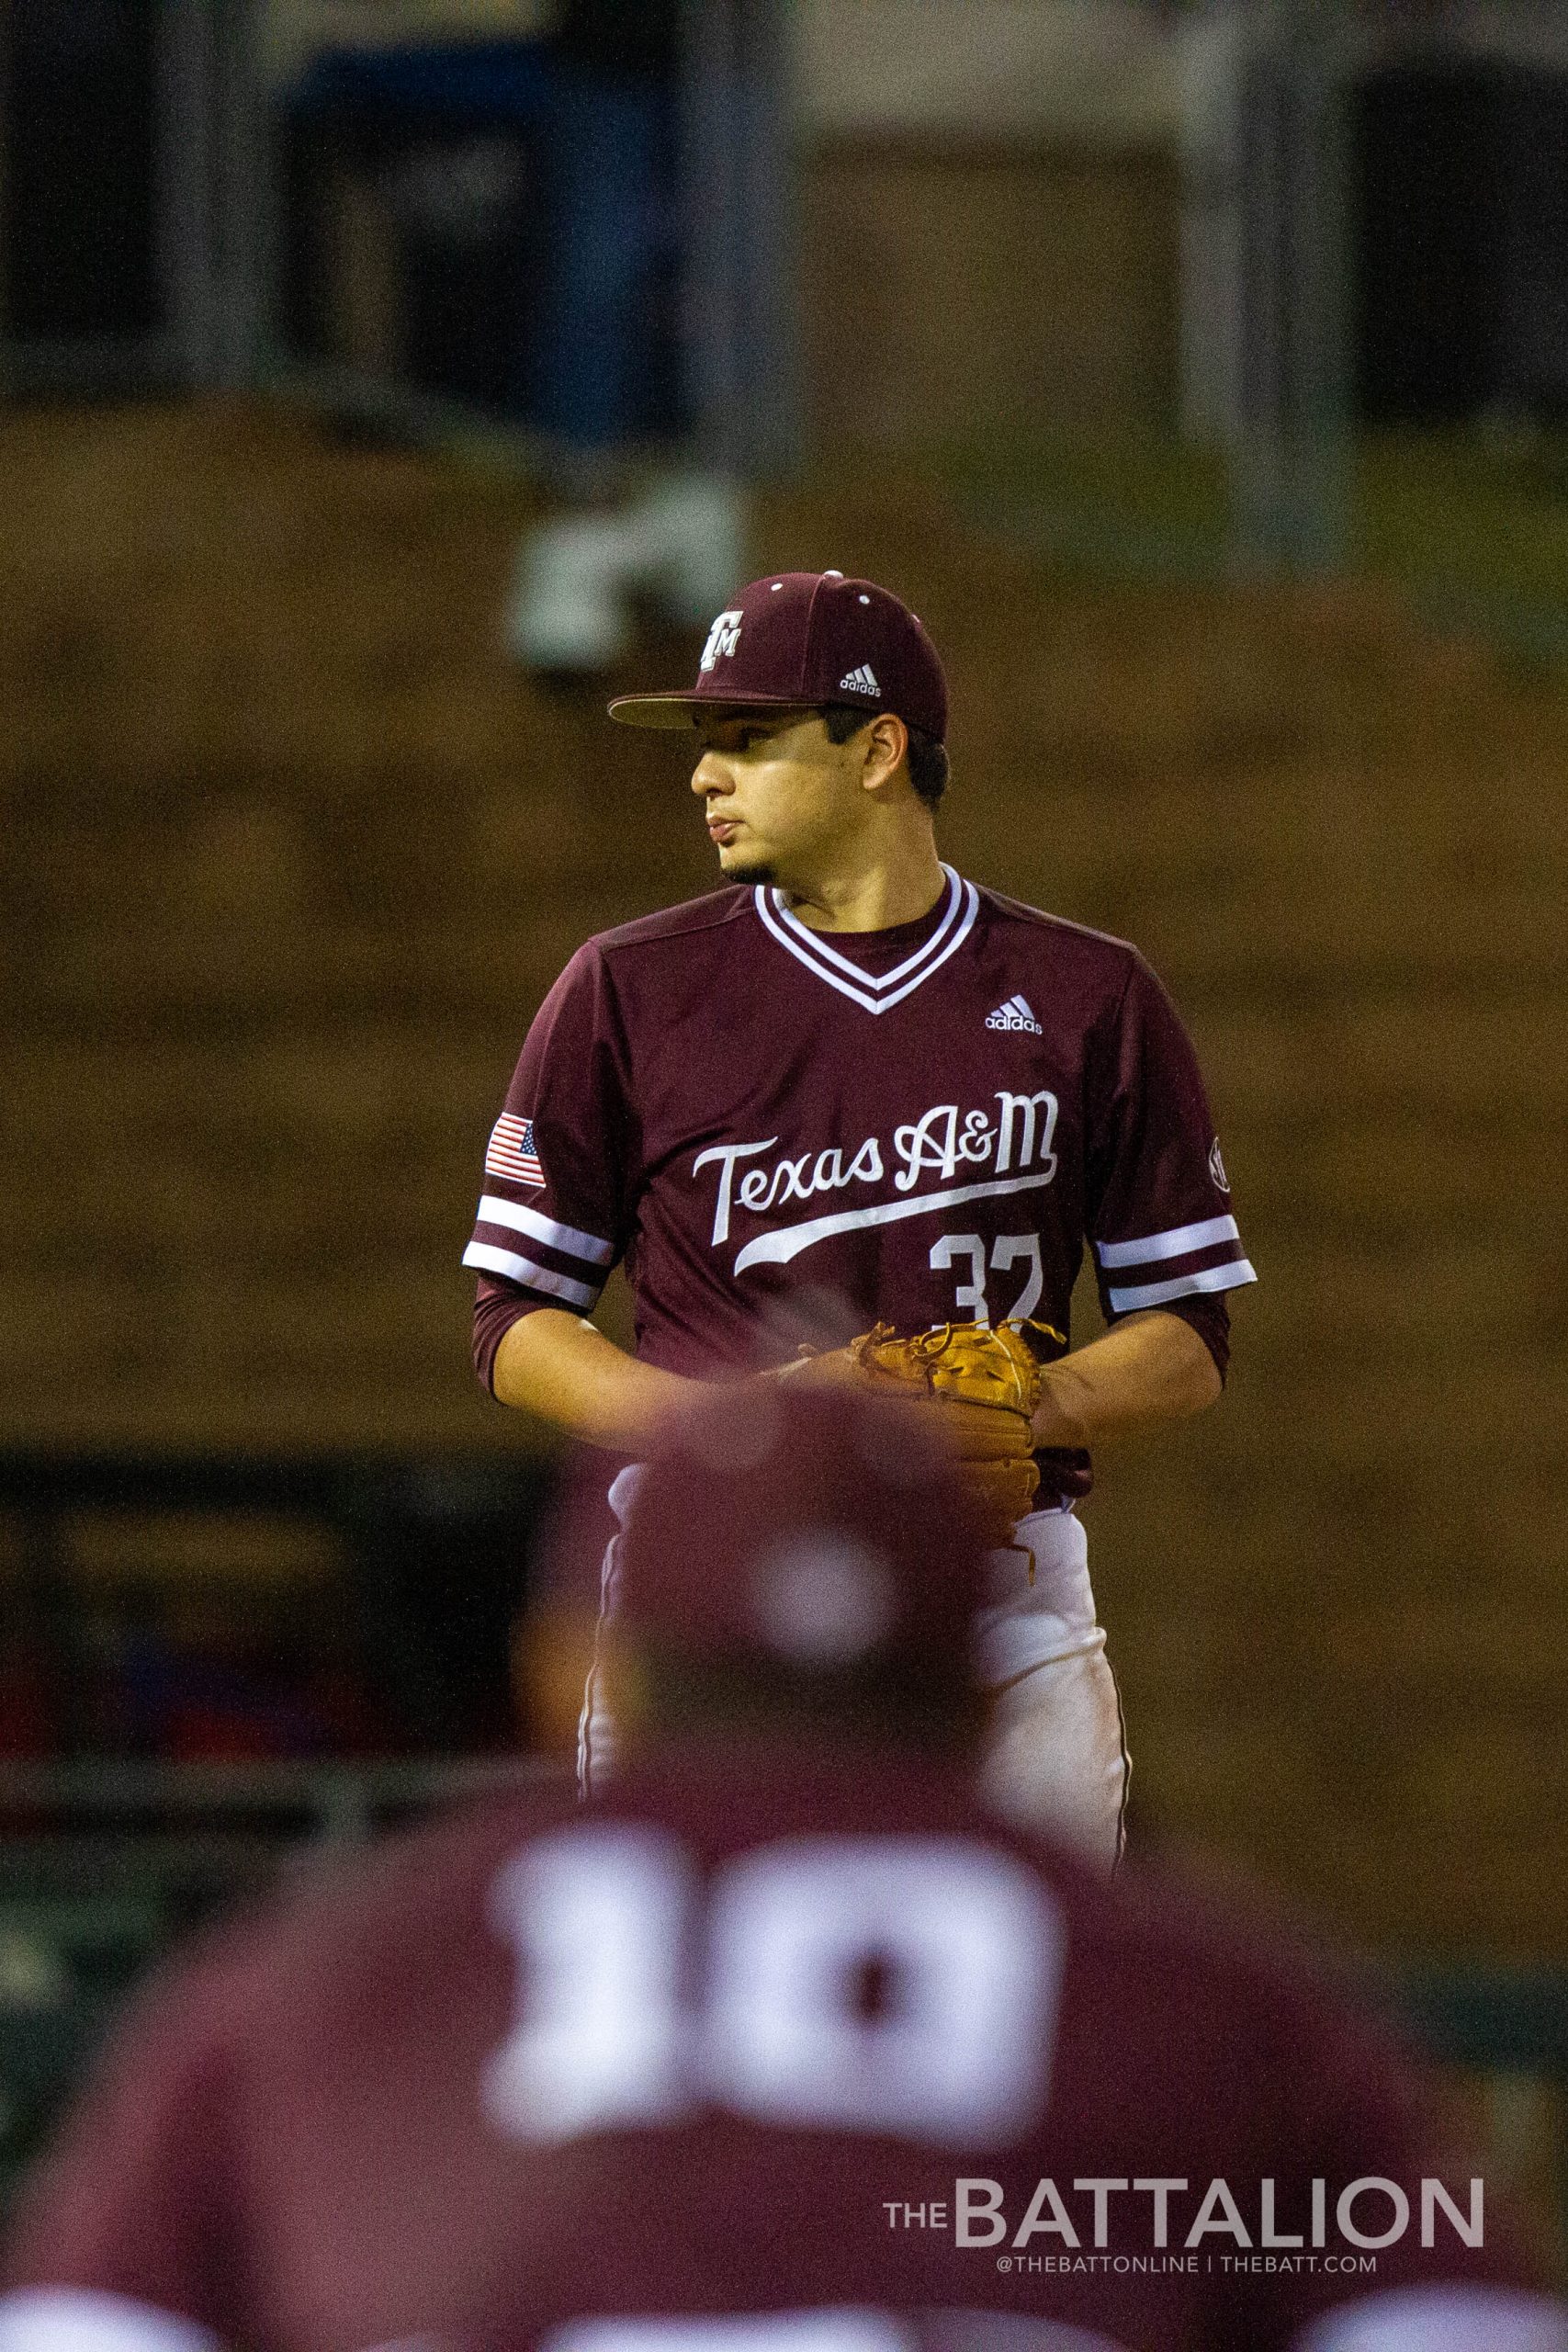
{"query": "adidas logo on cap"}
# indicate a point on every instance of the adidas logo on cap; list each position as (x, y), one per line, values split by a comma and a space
(860, 681)
(1014, 1014)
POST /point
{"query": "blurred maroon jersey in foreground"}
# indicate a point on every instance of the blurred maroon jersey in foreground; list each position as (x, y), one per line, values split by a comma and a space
(765, 2035)
(787, 2046)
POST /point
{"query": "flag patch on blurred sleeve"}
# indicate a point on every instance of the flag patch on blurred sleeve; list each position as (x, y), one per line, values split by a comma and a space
(511, 1152)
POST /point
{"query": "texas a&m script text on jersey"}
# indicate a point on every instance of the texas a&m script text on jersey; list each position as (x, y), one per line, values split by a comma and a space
(787, 1135)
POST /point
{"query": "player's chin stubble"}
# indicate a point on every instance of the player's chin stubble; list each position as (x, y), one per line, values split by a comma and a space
(751, 871)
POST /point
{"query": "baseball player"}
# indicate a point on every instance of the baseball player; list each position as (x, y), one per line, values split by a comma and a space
(784, 2045)
(851, 1090)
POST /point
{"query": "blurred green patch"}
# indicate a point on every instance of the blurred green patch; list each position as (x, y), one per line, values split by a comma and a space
(1488, 512)
(1473, 524)
(1099, 505)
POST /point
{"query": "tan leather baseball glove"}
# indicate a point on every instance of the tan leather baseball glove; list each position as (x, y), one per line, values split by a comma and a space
(985, 1381)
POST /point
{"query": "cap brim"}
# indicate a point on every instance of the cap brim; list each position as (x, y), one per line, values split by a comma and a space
(676, 711)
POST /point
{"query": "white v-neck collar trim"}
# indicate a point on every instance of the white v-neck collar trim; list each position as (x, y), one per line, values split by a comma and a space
(873, 993)
(819, 944)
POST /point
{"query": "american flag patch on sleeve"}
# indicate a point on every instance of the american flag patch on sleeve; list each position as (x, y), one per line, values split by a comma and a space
(511, 1153)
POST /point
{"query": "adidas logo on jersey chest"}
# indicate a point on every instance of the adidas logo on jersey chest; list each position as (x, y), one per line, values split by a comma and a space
(1014, 1014)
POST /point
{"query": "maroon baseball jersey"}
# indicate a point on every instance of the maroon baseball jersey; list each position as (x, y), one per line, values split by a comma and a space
(786, 1134)
(774, 2049)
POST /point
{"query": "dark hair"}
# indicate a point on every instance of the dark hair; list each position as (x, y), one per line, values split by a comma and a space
(927, 761)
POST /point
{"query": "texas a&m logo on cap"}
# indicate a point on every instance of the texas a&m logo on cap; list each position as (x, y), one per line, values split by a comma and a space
(802, 641)
(723, 637)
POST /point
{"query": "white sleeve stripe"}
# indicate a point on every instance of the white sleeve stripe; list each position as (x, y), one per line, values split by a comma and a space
(1175, 1243)
(522, 1270)
(79, 2319)
(493, 1210)
(1457, 2317)
(1231, 1277)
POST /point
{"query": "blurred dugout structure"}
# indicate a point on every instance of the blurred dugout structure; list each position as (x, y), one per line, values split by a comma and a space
(562, 225)
(555, 234)
(565, 217)
(291, 846)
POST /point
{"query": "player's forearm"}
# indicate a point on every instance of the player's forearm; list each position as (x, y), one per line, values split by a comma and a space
(562, 1368)
(1152, 1368)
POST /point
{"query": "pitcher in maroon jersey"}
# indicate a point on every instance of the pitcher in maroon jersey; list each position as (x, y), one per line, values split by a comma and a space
(784, 2045)
(854, 1088)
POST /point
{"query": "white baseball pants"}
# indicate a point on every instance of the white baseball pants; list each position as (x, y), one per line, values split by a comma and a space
(1057, 1758)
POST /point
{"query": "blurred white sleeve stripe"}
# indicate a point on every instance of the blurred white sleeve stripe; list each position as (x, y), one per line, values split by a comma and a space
(1441, 2319)
(72, 2319)
(1127, 1302)
(493, 1210)
(522, 1270)
(1173, 1243)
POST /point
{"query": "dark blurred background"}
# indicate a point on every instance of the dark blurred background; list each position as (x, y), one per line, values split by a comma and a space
(385, 381)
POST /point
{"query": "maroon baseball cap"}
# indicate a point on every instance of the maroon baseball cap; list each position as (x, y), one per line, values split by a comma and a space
(817, 1528)
(800, 640)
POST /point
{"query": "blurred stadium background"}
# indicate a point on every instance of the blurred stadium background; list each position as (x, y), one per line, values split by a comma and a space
(1200, 374)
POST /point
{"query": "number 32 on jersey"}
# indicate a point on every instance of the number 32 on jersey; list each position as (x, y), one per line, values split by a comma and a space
(959, 1249)
(646, 1990)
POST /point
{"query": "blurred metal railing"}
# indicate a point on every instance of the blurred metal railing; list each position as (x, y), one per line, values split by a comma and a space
(339, 1801)
(106, 1867)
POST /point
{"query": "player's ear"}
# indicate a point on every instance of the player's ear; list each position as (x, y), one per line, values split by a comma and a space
(887, 742)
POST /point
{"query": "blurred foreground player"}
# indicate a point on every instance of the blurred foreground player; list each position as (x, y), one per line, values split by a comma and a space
(672, 2073)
